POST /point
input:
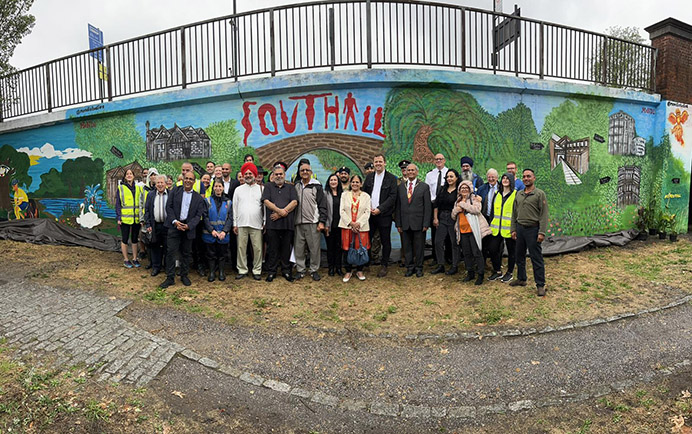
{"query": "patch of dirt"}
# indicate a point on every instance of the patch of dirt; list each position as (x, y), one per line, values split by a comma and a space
(591, 284)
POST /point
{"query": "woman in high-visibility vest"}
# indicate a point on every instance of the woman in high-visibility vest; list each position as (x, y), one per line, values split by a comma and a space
(127, 206)
(503, 205)
(218, 221)
(206, 186)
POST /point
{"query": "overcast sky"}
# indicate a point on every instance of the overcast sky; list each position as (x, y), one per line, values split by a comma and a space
(61, 26)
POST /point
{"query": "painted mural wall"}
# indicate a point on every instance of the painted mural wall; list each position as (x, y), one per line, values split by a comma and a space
(599, 158)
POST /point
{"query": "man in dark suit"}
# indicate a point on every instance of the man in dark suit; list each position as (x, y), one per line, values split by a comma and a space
(154, 222)
(413, 212)
(183, 212)
(381, 186)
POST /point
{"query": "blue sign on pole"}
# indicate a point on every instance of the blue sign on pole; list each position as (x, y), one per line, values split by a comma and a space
(96, 41)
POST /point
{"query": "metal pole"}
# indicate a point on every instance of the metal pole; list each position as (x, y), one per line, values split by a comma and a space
(516, 41)
(49, 99)
(109, 84)
(463, 39)
(368, 23)
(271, 42)
(541, 55)
(183, 61)
(331, 37)
(604, 61)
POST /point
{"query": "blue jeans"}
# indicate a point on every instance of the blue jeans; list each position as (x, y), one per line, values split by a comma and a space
(527, 237)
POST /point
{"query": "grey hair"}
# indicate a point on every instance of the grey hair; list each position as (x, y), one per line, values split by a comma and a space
(493, 171)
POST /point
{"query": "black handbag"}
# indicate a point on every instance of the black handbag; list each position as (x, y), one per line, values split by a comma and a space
(146, 236)
(359, 256)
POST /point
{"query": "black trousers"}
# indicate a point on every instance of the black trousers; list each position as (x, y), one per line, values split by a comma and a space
(216, 251)
(279, 242)
(158, 245)
(413, 243)
(527, 238)
(496, 245)
(445, 238)
(198, 248)
(383, 225)
(178, 244)
(473, 259)
(334, 247)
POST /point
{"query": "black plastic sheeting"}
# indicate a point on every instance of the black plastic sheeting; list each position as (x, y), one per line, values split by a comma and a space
(46, 231)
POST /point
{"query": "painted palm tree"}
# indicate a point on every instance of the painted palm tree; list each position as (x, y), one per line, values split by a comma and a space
(93, 194)
(436, 119)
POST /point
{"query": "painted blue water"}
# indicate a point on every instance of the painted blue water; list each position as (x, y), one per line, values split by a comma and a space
(56, 206)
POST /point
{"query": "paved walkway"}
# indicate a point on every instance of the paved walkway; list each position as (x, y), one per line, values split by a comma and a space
(461, 379)
(78, 326)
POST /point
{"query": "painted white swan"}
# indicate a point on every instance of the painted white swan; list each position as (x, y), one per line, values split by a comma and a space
(88, 220)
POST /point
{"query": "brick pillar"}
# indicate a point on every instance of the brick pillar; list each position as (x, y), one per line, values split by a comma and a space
(673, 39)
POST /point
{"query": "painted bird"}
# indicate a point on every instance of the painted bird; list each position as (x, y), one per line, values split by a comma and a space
(677, 119)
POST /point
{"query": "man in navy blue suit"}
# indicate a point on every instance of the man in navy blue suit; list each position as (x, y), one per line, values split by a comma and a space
(183, 212)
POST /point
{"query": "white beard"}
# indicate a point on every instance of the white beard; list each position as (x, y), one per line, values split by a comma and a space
(467, 176)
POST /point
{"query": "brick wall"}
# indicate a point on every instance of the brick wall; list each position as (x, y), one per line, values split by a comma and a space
(674, 61)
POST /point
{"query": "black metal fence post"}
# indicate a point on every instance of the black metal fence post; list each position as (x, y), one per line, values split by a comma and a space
(332, 42)
(368, 23)
(49, 98)
(183, 61)
(108, 74)
(463, 39)
(604, 61)
(272, 54)
(541, 49)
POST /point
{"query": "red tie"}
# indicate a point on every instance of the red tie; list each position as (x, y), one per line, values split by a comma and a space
(410, 191)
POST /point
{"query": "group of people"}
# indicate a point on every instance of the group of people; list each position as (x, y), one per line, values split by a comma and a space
(257, 226)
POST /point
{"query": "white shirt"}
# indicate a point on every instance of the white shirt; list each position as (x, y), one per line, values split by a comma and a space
(248, 211)
(375, 199)
(431, 180)
(489, 201)
(226, 185)
(185, 205)
(160, 206)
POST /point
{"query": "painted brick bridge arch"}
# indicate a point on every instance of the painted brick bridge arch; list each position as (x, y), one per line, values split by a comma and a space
(359, 149)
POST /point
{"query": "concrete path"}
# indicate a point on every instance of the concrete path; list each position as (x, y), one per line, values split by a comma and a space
(423, 379)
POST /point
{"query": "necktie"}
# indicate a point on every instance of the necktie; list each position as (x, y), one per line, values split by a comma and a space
(439, 180)
(410, 191)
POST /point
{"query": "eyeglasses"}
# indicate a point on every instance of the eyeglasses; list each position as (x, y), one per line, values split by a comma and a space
(439, 159)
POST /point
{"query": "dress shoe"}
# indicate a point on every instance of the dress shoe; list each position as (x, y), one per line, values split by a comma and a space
(540, 291)
(438, 270)
(469, 276)
(382, 272)
(452, 271)
(346, 278)
(149, 266)
(257, 277)
(419, 273)
(288, 277)
(331, 271)
(339, 271)
(315, 276)
(185, 280)
(166, 283)
(408, 273)
(240, 276)
(479, 279)
(517, 283)
(360, 276)
(270, 277)
(155, 272)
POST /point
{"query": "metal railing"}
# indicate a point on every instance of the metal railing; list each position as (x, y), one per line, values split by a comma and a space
(328, 35)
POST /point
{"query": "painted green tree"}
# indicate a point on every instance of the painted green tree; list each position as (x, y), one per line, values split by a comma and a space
(71, 181)
(18, 164)
(225, 143)
(422, 121)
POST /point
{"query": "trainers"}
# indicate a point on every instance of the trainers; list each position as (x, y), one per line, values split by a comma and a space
(136, 263)
(127, 264)
(507, 278)
(518, 283)
(300, 275)
(496, 275)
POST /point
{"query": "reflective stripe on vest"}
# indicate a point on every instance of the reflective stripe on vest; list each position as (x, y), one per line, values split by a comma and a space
(217, 219)
(502, 215)
(129, 205)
